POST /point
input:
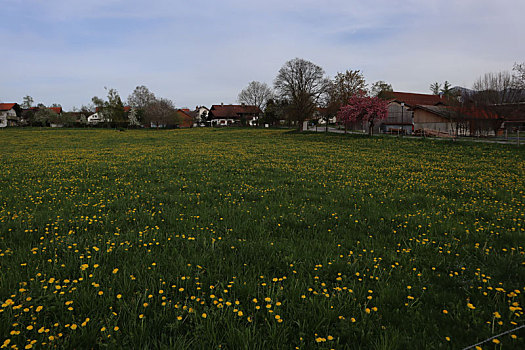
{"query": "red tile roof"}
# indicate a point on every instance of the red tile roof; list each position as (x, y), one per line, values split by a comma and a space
(57, 110)
(126, 109)
(6, 106)
(233, 111)
(185, 120)
(411, 99)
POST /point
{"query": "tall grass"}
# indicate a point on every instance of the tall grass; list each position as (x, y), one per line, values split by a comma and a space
(257, 239)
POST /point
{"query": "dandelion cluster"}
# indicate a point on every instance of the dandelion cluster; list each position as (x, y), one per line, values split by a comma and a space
(160, 238)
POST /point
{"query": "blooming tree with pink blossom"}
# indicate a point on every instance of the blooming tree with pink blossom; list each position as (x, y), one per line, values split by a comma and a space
(363, 108)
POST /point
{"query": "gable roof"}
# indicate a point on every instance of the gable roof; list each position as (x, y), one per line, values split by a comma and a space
(411, 99)
(184, 113)
(233, 111)
(437, 110)
(57, 110)
(464, 113)
(184, 118)
(7, 106)
(192, 114)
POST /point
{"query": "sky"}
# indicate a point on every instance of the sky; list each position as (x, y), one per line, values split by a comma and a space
(204, 52)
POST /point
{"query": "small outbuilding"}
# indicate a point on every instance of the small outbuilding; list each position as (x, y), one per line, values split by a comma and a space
(9, 114)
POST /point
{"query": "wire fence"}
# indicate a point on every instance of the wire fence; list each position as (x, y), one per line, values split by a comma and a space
(494, 337)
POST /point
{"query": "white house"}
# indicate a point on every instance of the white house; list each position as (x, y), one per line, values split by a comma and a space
(9, 114)
(96, 118)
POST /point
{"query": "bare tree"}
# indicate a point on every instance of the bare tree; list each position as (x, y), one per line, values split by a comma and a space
(255, 94)
(161, 113)
(496, 88)
(302, 83)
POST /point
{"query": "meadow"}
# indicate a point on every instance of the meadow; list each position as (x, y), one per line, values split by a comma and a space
(258, 239)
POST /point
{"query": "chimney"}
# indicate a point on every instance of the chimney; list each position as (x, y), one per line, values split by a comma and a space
(222, 104)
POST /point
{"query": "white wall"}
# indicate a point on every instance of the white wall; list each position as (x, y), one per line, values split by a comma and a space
(4, 115)
(3, 119)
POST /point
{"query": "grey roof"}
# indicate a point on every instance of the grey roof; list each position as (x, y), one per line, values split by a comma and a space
(438, 110)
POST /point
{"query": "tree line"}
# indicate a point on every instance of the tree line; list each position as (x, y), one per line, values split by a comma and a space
(481, 110)
(141, 107)
(302, 89)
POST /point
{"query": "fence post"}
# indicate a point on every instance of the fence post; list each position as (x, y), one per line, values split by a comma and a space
(518, 138)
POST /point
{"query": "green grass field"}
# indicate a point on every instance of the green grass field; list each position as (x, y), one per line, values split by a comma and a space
(258, 239)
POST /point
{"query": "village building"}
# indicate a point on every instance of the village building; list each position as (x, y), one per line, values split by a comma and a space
(9, 114)
(400, 116)
(184, 118)
(98, 117)
(513, 114)
(228, 115)
(321, 115)
(455, 121)
(200, 115)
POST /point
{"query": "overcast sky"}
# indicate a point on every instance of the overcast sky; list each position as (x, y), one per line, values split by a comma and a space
(204, 52)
